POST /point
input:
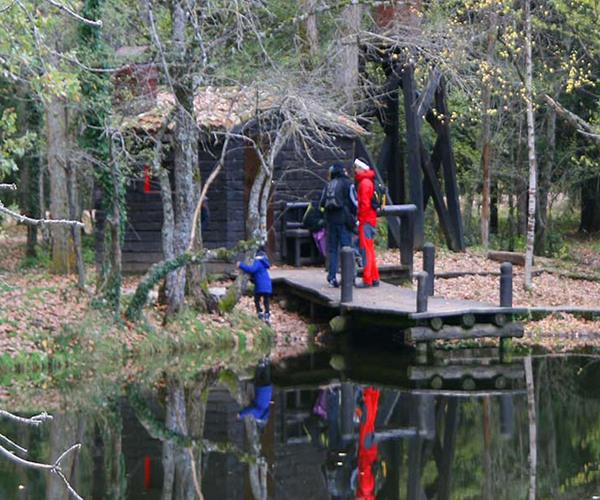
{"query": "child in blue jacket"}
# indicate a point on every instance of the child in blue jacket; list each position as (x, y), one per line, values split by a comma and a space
(263, 391)
(259, 271)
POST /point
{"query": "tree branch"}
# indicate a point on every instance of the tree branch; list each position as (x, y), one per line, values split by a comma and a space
(35, 420)
(10, 442)
(74, 14)
(54, 468)
(38, 222)
(583, 127)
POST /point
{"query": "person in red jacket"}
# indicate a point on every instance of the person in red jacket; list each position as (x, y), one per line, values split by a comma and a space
(367, 222)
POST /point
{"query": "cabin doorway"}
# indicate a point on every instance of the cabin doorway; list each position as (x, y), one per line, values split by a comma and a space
(251, 169)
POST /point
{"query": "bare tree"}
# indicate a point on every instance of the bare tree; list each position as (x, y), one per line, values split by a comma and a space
(347, 60)
(486, 130)
(532, 191)
(14, 452)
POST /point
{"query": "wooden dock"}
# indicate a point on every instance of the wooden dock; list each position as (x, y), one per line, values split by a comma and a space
(394, 307)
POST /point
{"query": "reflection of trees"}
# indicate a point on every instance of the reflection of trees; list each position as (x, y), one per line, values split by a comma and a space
(62, 467)
(181, 465)
(182, 434)
(258, 469)
(108, 480)
(65, 429)
(569, 421)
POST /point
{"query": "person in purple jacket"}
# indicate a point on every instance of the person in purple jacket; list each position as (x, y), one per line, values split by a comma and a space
(259, 271)
(263, 391)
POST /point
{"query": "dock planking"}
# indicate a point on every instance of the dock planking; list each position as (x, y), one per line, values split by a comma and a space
(389, 304)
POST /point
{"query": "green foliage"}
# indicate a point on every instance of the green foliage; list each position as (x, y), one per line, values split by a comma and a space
(41, 260)
(11, 146)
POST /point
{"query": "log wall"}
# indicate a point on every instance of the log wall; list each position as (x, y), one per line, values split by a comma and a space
(297, 178)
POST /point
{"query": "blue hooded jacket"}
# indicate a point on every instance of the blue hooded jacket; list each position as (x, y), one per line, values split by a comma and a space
(259, 272)
(259, 408)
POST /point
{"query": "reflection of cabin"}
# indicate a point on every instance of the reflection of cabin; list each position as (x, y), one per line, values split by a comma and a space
(298, 176)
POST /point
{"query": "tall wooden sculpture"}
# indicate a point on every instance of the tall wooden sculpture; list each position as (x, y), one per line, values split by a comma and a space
(427, 175)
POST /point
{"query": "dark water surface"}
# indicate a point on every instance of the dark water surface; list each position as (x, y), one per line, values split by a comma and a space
(339, 425)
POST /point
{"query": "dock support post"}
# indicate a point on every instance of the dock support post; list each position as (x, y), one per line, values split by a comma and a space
(407, 241)
(421, 291)
(347, 274)
(506, 300)
(506, 284)
(429, 266)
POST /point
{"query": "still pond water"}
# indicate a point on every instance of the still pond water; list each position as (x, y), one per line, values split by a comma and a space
(329, 425)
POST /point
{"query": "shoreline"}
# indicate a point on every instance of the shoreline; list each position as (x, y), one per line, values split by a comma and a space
(41, 310)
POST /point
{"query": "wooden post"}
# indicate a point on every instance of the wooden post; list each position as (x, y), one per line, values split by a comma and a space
(506, 282)
(347, 274)
(407, 214)
(421, 291)
(429, 266)
(507, 416)
(407, 240)
(449, 166)
(413, 149)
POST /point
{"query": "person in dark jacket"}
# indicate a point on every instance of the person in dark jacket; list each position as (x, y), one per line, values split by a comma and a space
(263, 391)
(259, 271)
(338, 206)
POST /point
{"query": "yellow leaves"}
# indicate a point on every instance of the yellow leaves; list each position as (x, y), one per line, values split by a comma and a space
(58, 83)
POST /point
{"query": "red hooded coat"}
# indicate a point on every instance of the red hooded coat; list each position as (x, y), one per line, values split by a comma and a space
(365, 189)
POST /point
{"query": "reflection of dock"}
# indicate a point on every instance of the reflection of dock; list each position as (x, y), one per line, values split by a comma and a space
(471, 376)
(416, 426)
(395, 308)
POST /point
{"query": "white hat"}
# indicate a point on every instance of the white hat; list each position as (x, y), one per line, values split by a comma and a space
(361, 165)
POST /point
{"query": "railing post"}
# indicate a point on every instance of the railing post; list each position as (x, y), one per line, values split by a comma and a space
(421, 291)
(506, 284)
(429, 266)
(406, 214)
(407, 240)
(347, 274)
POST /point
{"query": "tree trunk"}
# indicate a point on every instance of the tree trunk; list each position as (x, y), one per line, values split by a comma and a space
(29, 165)
(65, 430)
(309, 34)
(177, 461)
(185, 148)
(75, 214)
(532, 418)
(486, 132)
(56, 128)
(494, 195)
(116, 229)
(545, 174)
(590, 206)
(532, 192)
(347, 69)
(511, 221)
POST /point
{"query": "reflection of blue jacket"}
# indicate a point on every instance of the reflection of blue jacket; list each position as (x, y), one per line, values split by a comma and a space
(260, 273)
(259, 409)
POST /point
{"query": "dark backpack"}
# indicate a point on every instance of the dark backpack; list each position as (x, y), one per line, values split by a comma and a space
(332, 196)
(313, 218)
(379, 198)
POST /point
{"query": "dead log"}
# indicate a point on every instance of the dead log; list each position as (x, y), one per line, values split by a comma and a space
(515, 258)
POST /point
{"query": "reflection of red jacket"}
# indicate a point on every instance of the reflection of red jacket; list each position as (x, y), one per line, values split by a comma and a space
(367, 456)
(366, 188)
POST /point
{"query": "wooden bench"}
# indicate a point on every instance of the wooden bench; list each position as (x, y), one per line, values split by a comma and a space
(297, 244)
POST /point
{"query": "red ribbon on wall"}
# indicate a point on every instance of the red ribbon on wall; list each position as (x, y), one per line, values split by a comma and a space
(146, 179)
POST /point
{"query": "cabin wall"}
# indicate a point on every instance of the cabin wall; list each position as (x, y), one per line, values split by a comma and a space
(297, 178)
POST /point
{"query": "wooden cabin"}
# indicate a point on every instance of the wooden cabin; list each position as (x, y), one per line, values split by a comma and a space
(298, 176)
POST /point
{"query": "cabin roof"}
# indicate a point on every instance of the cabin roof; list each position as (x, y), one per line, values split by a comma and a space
(224, 108)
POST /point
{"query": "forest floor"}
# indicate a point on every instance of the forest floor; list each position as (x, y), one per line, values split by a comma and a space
(37, 307)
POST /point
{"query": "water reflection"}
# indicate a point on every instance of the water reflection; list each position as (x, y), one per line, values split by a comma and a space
(341, 426)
